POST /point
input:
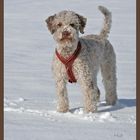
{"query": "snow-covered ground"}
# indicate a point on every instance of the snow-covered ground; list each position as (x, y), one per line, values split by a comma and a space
(30, 99)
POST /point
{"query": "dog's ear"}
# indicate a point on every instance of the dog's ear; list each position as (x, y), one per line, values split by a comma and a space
(82, 22)
(50, 23)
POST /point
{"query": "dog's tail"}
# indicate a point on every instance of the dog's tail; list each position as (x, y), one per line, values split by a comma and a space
(107, 22)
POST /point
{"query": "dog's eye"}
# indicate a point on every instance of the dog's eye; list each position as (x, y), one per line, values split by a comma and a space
(59, 24)
(72, 25)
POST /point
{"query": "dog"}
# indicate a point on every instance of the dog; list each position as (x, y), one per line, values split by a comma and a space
(78, 59)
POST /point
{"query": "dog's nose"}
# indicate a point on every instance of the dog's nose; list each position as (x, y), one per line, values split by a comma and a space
(65, 33)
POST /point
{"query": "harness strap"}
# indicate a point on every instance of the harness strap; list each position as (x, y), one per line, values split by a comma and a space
(68, 62)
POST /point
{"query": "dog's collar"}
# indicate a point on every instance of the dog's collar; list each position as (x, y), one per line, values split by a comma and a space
(68, 62)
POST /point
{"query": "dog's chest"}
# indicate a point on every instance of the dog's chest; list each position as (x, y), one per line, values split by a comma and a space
(58, 67)
(60, 70)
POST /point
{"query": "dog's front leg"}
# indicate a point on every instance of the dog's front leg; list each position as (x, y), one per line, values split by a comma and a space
(90, 100)
(62, 103)
(90, 96)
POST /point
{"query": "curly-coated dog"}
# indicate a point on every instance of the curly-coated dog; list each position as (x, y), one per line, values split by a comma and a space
(78, 59)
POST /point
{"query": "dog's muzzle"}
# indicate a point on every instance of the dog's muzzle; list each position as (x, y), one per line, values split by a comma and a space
(66, 34)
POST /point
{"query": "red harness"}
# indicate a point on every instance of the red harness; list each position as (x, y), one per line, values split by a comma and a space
(68, 62)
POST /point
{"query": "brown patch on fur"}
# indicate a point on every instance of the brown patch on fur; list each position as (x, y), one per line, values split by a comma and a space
(82, 21)
(50, 24)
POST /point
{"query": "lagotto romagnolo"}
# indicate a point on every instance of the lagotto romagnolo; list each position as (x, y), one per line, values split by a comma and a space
(78, 59)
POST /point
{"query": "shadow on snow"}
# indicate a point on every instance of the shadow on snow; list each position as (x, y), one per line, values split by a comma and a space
(122, 103)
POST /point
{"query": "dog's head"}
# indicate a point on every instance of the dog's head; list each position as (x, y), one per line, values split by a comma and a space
(66, 25)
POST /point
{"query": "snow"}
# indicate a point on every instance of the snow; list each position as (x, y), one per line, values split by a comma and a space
(30, 95)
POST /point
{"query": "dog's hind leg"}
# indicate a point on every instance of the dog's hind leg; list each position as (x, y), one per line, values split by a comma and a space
(108, 70)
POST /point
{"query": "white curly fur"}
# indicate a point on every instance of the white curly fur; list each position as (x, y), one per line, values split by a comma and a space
(97, 52)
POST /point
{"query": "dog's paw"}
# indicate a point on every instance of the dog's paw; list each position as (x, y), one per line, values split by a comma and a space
(111, 100)
(62, 109)
(90, 109)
